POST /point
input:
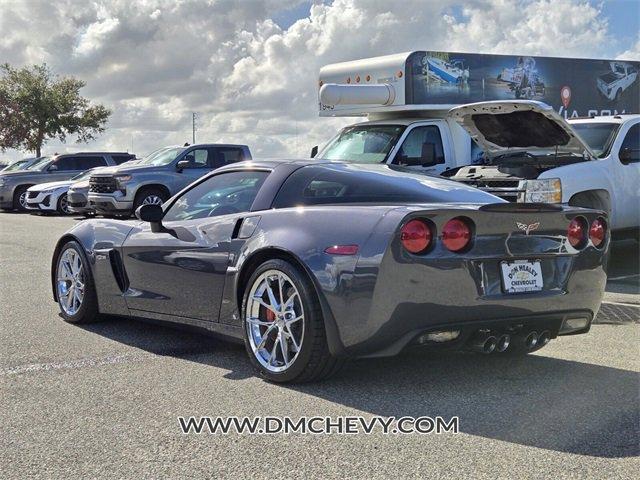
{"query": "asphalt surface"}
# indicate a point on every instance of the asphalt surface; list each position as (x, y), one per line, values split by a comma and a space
(103, 400)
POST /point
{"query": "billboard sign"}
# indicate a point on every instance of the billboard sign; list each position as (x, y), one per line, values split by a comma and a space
(574, 87)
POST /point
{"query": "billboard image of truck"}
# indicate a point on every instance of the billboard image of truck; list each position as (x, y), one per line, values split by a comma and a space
(573, 86)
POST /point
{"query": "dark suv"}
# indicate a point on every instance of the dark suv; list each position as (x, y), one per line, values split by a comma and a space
(14, 185)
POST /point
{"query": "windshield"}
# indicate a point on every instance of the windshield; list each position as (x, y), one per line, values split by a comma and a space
(40, 164)
(19, 165)
(163, 156)
(363, 143)
(599, 136)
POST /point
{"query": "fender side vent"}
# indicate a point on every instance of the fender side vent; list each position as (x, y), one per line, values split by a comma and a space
(118, 270)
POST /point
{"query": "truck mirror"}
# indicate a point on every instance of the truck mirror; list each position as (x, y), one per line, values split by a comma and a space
(629, 155)
(152, 214)
(314, 151)
(182, 164)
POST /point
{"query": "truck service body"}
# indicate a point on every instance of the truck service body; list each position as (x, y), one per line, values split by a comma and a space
(414, 118)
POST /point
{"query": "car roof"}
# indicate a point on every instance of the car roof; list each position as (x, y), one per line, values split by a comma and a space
(91, 153)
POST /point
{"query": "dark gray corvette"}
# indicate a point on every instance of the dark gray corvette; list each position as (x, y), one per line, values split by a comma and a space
(310, 263)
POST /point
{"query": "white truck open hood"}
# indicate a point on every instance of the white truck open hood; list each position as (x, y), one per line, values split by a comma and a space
(500, 127)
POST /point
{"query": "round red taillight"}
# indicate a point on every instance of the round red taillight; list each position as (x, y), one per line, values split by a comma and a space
(598, 232)
(456, 234)
(415, 236)
(576, 232)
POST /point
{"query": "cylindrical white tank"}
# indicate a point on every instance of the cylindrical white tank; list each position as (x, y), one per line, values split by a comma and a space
(336, 94)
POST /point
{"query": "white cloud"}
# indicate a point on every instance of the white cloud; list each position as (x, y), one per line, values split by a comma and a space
(154, 62)
(632, 54)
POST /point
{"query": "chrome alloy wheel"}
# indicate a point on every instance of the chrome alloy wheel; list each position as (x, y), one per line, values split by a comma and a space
(22, 199)
(152, 200)
(274, 320)
(70, 281)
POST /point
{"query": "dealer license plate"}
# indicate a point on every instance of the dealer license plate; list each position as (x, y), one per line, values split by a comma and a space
(521, 276)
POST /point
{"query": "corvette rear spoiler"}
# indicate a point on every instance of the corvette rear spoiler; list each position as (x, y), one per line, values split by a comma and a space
(520, 207)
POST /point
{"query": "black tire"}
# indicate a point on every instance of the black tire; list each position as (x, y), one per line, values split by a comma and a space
(147, 192)
(314, 361)
(88, 310)
(22, 190)
(60, 207)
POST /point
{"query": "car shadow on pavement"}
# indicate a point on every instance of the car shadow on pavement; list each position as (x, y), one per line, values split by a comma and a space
(534, 400)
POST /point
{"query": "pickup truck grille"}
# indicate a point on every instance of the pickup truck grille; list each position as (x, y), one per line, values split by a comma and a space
(509, 190)
(102, 184)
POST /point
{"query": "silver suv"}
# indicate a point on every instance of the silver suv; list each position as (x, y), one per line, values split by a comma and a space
(152, 180)
(14, 184)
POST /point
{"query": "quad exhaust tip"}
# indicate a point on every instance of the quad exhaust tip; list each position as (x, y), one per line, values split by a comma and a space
(531, 340)
(503, 343)
(544, 338)
(484, 343)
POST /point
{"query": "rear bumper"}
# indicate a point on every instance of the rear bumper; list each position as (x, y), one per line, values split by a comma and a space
(557, 323)
(410, 299)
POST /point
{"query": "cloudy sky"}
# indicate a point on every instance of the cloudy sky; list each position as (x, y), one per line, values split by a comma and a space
(249, 67)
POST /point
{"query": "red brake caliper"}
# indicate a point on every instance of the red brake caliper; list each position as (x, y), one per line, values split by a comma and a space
(270, 315)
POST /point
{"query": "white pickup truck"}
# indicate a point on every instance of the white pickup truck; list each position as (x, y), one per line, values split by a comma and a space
(533, 155)
(613, 83)
(528, 153)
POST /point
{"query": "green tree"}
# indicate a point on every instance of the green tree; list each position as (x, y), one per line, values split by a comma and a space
(37, 105)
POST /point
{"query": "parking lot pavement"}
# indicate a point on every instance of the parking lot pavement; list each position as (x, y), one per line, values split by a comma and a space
(103, 400)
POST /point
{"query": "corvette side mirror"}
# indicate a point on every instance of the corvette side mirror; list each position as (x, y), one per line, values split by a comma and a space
(152, 214)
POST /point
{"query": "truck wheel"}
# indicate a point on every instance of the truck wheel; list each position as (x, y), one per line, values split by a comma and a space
(283, 325)
(20, 199)
(150, 196)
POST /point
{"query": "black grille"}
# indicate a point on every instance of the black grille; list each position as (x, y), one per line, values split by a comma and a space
(506, 189)
(32, 194)
(102, 184)
(493, 183)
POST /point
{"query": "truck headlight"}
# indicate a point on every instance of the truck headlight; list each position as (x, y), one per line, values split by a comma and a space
(122, 180)
(547, 190)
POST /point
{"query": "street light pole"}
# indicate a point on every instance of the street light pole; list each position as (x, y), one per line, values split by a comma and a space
(193, 126)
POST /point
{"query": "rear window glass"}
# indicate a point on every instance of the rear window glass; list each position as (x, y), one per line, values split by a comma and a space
(339, 184)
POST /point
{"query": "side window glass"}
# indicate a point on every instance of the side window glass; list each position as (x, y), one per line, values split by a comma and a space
(66, 164)
(630, 149)
(91, 162)
(197, 158)
(222, 194)
(422, 147)
(230, 155)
